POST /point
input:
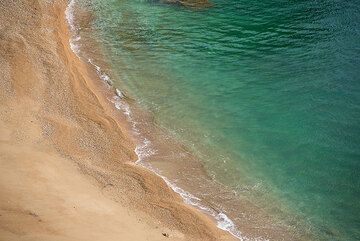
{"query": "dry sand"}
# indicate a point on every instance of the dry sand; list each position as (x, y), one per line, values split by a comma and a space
(66, 160)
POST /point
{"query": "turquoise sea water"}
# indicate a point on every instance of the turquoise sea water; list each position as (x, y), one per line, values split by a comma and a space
(267, 93)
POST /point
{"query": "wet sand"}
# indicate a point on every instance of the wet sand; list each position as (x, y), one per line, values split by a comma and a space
(66, 159)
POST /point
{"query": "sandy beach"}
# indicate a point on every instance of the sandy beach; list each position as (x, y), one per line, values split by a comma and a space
(66, 159)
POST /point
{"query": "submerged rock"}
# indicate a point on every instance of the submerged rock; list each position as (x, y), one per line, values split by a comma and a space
(195, 3)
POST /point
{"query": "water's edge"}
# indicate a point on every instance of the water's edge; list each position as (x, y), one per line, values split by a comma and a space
(143, 148)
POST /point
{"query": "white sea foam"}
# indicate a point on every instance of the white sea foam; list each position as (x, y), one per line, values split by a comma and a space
(123, 106)
(119, 93)
(74, 39)
(69, 14)
(144, 150)
(103, 76)
(222, 220)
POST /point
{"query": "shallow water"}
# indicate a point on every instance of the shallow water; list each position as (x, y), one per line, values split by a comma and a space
(266, 94)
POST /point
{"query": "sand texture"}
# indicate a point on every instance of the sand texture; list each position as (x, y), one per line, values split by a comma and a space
(66, 159)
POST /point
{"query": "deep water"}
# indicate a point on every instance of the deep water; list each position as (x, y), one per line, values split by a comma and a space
(267, 93)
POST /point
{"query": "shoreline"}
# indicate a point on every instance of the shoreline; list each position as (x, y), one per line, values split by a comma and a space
(66, 142)
(142, 149)
(255, 222)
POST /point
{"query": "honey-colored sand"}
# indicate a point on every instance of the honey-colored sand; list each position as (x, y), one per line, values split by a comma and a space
(66, 160)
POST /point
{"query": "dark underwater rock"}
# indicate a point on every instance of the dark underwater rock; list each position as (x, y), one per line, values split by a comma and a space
(194, 3)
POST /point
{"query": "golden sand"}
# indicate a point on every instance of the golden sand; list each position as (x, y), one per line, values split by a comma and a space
(66, 159)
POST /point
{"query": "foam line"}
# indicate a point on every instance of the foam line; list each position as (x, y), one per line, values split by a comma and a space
(143, 150)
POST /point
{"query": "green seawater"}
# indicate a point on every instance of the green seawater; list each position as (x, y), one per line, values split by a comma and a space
(266, 93)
